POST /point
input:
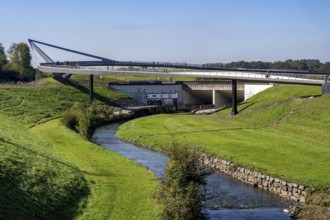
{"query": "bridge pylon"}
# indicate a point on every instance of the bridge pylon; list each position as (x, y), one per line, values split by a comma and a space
(234, 97)
(91, 88)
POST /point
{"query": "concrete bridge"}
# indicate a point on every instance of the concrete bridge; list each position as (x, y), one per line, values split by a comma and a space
(168, 69)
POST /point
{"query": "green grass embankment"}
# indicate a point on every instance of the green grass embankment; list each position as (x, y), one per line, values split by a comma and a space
(280, 132)
(120, 188)
(50, 172)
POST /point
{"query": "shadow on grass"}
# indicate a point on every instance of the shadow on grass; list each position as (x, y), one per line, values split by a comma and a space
(34, 187)
(83, 89)
(40, 202)
(53, 159)
(249, 104)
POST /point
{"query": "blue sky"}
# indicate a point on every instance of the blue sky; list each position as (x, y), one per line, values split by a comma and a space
(193, 31)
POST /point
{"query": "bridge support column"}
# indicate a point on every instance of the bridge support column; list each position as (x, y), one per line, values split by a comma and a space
(91, 88)
(234, 96)
(214, 98)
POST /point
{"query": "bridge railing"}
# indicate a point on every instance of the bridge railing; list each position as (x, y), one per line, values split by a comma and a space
(171, 71)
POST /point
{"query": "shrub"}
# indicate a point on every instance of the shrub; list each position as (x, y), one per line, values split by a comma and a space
(101, 112)
(86, 124)
(181, 192)
(84, 119)
(70, 119)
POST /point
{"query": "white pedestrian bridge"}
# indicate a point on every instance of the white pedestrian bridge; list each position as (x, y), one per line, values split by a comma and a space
(274, 77)
(105, 66)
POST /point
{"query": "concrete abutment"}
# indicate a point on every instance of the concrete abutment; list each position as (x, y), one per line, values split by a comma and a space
(326, 88)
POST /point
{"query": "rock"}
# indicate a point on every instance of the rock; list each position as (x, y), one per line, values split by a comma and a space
(301, 187)
(294, 211)
(294, 198)
(302, 199)
(250, 179)
(277, 184)
(284, 193)
(261, 176)
(294, 185)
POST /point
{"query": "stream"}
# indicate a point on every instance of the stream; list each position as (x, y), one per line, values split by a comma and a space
(226, 197)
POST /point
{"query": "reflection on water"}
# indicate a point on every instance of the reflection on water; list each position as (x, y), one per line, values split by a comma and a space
(227, 198)
(248, 214)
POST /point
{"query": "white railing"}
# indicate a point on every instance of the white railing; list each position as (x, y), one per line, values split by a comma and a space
(241, 75)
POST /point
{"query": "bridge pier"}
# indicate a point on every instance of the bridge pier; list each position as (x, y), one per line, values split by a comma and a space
(91, 88)
(234, 96)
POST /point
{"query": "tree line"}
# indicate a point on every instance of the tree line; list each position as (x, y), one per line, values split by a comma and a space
(303, 64)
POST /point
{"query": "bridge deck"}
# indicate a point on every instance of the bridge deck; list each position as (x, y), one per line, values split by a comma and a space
(241, 75)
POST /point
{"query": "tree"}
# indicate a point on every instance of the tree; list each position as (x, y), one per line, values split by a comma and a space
(3, 58)
(325, 67)
(20, 60)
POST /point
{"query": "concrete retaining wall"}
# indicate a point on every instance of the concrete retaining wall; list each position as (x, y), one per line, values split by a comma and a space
(326, 88)
(290, 191)
(139, 92)
(251, 89)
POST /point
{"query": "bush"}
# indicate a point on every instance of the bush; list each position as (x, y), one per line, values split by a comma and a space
(101, 112)
(84, 119)
(70, 120)
(181, 192)
(86, 124)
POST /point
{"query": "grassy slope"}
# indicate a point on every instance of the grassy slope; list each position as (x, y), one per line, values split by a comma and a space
(297, 149)
(34, 182)
(33, 105)
(120, 188)
(49, 172)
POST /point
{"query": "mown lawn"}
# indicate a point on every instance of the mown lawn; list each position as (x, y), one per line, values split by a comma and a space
(120, 188)
(50, 172)
(281, 132)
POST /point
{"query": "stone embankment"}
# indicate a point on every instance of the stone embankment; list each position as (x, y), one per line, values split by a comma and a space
(290, 191)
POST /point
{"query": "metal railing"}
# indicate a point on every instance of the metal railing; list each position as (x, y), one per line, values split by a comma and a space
(307, 78)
